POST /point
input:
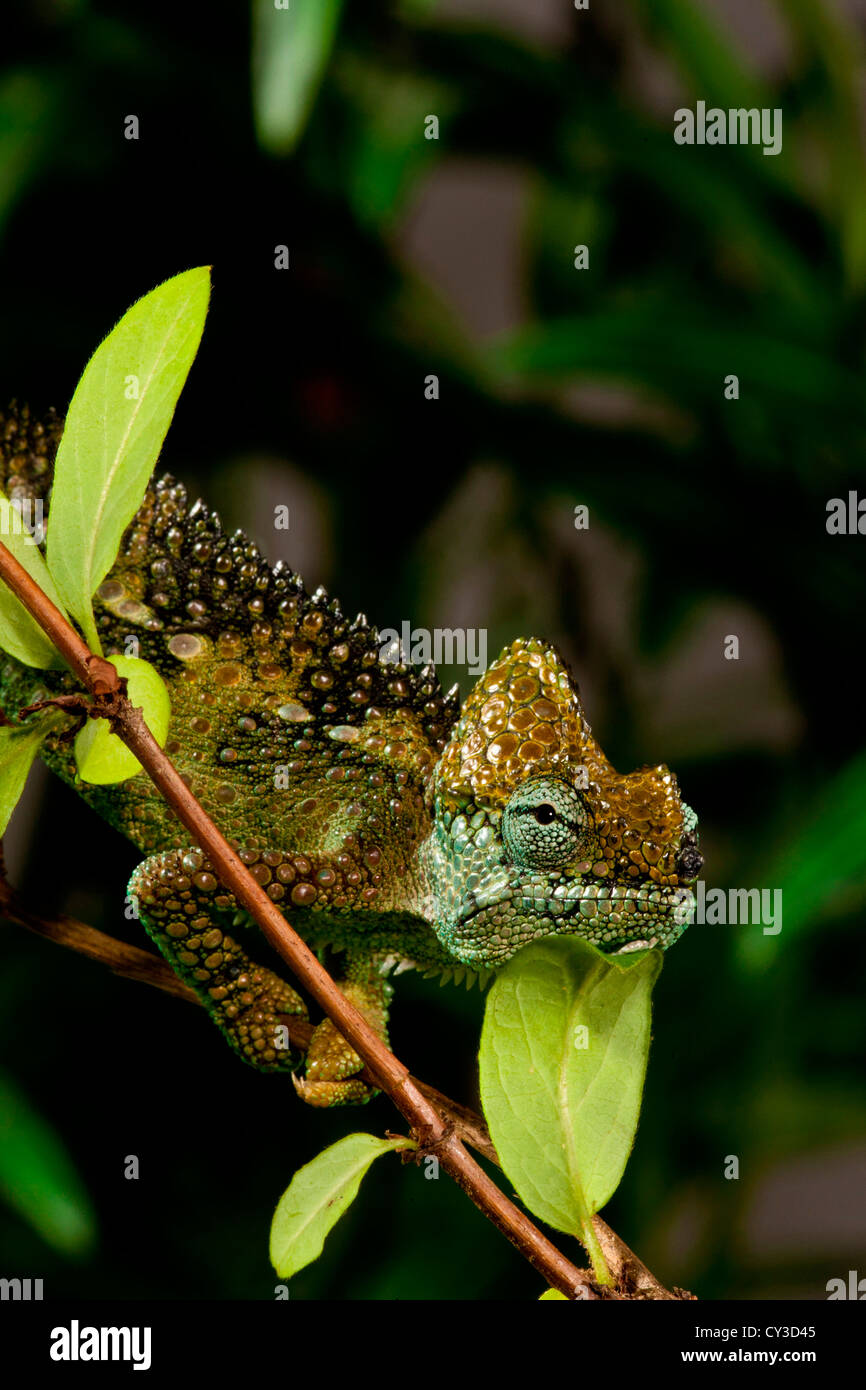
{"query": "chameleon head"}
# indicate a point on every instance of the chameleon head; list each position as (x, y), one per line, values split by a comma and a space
(536, 833)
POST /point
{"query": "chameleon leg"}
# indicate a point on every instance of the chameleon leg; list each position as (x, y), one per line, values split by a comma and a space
(331, 1061)
(180, 902)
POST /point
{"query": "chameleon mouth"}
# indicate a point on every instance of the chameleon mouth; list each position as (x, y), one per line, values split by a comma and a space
(633, 946)
(650, 918)
(690, 861)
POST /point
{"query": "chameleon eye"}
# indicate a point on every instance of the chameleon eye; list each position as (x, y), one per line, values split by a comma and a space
(544, 825)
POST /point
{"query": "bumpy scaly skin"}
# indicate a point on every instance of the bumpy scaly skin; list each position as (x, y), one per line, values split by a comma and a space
(388, 825)
(535, 832)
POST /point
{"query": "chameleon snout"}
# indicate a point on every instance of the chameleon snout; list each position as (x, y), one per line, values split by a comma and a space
(690, 861)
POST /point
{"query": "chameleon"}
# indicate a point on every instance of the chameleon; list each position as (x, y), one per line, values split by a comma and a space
(393, 827)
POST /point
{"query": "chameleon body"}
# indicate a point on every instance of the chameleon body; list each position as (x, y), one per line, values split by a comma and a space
(390, 825)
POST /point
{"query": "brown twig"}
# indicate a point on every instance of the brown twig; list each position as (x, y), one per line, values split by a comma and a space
(429, 1128)
(133, 963)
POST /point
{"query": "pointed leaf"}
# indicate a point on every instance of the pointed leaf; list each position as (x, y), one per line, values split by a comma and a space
(18, 748)
(101, 756)
(117, 420)
(291, 47)
(318, 1195)
(563, 1057)
(20, 635)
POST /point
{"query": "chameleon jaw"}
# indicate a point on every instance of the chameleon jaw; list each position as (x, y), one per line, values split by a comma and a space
(617, 920)
(634, 946)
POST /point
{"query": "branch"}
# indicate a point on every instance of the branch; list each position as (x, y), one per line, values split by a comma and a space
(432, 1131)
(133, 963)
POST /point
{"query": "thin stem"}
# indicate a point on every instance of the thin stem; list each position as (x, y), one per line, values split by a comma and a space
(596, 1255)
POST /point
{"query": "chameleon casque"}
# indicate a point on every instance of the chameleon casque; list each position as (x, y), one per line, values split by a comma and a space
(390, 825)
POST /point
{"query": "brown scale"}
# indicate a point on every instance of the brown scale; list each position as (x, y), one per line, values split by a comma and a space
(239, 644)
(198, 580)
(27, 449)
(525, 719)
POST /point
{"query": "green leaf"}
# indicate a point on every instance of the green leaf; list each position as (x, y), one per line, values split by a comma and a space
(100, 755)
(709, 62)
(30, 105)
(117, 420)
(20, 635)
(834, 42)
(318, 1195)
(563, 1057)
(386, 150)
(676, 351)
(552, 1296)
(18, 748)
(290, 51)
(820, 863)
(37, 1177)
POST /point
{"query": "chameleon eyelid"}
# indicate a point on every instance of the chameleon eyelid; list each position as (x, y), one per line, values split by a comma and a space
(574, 825)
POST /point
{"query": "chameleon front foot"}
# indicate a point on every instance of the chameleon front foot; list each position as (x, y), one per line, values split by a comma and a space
(180, 902)
(332, 1063)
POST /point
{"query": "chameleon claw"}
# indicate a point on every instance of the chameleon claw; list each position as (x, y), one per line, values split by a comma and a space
(324, 1095)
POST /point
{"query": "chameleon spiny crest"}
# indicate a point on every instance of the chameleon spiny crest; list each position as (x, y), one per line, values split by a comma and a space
(392, 827)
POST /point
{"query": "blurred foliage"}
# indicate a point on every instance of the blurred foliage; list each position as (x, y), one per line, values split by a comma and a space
(291, 47)
(38, 1178)
(707, 517)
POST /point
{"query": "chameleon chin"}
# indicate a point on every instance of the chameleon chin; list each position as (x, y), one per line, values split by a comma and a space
(392, 826)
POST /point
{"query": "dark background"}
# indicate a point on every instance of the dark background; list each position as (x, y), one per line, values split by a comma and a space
(603, 387)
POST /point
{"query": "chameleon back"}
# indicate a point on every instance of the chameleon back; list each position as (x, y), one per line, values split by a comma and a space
(285, 723)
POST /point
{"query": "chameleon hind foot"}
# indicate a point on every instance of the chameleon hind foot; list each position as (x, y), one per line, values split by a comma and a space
(332, 1062)
(180, 902)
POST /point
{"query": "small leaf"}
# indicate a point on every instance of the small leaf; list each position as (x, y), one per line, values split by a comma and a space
(37, 1177)
(20, 635)
(117, 420)
(18, 748)
(290, 51)
(563, 1057)
(318, 1195)
(101, 756)
(552, 1296)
